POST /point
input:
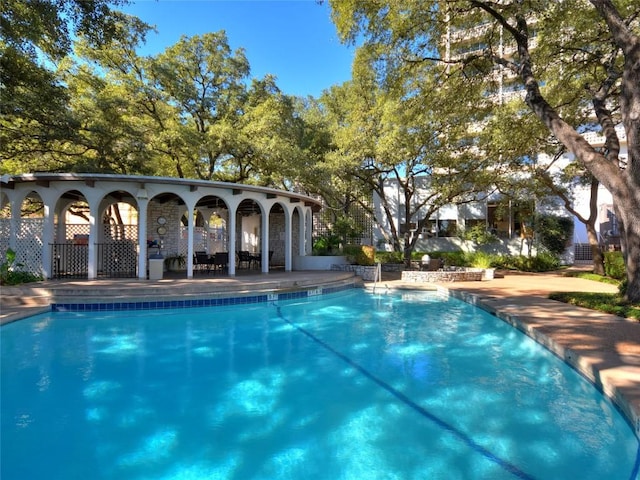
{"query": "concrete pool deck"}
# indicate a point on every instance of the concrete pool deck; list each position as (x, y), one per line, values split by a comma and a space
(605, 348)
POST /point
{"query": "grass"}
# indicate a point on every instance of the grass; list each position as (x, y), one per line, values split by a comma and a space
(603, 302)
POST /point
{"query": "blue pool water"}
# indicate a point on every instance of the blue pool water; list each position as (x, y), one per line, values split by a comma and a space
(344, 386)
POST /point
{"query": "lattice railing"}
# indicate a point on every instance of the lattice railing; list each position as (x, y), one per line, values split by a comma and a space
(582, 252)
(69, 260)
(117, 259)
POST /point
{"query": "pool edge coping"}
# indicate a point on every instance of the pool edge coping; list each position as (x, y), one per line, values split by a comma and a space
(568, 355)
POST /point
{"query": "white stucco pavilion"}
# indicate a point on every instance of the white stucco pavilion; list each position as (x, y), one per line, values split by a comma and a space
(169, 216)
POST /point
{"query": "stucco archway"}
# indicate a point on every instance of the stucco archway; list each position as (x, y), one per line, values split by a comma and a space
(171, 208)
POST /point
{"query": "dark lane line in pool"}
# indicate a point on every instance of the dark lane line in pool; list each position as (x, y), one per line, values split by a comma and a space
(506, 465)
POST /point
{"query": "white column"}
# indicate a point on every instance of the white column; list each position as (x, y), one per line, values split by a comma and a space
(190, 205)
(47, 239)
(308, 231)
(287, 239)
(265, 240)
(92, 253)
(302, 232)
(142, 237)
(231, 246)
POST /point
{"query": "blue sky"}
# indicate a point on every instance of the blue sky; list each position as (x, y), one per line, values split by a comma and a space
(293, 40)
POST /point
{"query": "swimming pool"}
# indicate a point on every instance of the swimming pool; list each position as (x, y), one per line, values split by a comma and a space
(341, 386)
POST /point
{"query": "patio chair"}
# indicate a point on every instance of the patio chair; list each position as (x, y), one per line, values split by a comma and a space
(202, 261)
(244, 258)
(221, 262)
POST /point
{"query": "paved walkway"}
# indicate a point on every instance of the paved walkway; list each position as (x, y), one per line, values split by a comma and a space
(605, 348)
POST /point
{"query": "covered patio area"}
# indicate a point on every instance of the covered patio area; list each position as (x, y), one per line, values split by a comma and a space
(91, 226)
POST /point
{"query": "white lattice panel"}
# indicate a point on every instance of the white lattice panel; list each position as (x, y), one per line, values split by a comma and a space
(29, 244)
(5, 231)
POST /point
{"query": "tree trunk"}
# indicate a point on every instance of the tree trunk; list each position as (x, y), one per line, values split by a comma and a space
(628, 199)
(631, 241)
(622, 182)
(596, 250)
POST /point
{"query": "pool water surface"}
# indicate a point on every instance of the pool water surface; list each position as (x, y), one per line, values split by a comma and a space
(342, 386)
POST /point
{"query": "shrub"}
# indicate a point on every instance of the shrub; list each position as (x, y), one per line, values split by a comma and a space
(326, 245)
(543, 262)
(389, 257)
(366, 255)
(457, 258)
(9, 273)
(554, 232)
(480, 259)
(614, 265)
(351, 252)
(478, 234)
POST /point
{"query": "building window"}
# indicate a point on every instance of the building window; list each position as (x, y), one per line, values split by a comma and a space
(447, 228)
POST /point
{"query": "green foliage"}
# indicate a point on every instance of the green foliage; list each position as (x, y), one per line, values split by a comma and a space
(543, 262)
(366, 255)
(175, 261)
(454, 259)
(595, 277)
(478, 234)
(614, 265)
(346, 227)
(553, 232)
(326, 245)
(390, 257)
(604, 302)
(481, 259)
(564, 77)
(10, 273)
(36, 37)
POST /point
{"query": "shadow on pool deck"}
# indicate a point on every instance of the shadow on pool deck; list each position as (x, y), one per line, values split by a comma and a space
(605, 348)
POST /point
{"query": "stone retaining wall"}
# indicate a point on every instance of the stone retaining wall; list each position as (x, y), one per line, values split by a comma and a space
(367, 273)
(460, 275)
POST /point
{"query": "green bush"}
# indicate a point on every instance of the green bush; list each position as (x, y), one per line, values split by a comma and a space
(478, 234)
(614, 265)
(554, 232)
(389, 257)
(351, 252)
(17, 278)
(10, 273)
(366, 255)
(480, 259)
(543, 262)
(326, 245)
(457, 258)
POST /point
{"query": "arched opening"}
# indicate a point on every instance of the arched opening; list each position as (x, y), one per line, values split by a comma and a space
(70, 248)
(297, 233)
(249, 227)
(117, 243)
(212, 220)
(277, 236)
(167, 230)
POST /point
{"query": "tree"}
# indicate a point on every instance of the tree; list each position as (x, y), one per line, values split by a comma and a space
(35, 37)
(386, 134)
(413, 31)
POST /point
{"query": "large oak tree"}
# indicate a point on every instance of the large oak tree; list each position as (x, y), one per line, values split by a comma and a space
(414, 31)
